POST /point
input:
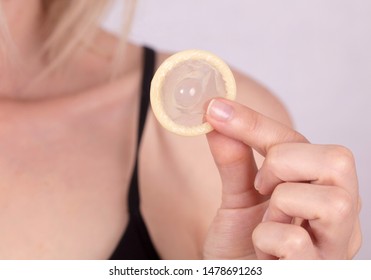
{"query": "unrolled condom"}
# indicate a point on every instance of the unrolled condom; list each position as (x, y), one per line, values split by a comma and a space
(183, 86)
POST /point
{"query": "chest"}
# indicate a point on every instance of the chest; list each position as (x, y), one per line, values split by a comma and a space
(64, 180)
(65, 174)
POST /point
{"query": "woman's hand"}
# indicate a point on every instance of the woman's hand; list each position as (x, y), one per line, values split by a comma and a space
(303, 203)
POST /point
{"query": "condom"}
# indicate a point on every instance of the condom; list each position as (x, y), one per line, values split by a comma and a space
(183, 86)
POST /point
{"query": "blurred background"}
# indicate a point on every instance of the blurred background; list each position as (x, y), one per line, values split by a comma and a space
(315, 55)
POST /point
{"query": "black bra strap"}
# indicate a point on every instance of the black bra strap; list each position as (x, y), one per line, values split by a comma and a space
(136, 242)
(149, 68)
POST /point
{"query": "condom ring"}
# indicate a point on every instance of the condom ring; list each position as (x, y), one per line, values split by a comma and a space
(183, 86)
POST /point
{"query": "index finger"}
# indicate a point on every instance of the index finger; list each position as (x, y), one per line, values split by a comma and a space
(248, 126)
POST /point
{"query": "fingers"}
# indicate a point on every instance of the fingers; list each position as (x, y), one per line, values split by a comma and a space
(330, 221)
(283, 241)
(237, 170)
(244, 124)
(242, 128)
(329, 230)
(303, 162)
(316, 184)
(289, 156)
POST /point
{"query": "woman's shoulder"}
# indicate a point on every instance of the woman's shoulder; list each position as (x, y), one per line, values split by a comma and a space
(259, 98)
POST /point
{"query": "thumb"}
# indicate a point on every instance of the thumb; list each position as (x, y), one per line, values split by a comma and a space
(237, 169)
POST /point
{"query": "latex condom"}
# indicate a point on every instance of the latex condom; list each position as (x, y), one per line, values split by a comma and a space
(183, 86)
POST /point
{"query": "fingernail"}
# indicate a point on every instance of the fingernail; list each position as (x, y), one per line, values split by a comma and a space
(219, 110)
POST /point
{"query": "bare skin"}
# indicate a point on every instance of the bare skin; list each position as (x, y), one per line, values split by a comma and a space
(67, 153)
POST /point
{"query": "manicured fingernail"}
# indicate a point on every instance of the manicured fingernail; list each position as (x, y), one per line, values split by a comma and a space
(219, 110)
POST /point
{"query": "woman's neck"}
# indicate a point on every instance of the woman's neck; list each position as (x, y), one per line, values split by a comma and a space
(23, 19)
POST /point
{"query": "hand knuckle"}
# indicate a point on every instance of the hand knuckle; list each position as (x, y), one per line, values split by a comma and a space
(296, 240)
(341, 159)
(341, 205)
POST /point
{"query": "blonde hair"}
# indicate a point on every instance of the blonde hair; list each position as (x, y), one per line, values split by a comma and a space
(70, 25)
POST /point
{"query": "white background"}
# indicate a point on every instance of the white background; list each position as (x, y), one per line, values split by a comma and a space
(313, 54)
(141, 270)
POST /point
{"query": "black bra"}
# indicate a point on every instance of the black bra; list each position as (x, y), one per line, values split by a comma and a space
(136, 243)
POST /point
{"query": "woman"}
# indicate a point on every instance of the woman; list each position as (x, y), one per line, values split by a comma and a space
(71, 172)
